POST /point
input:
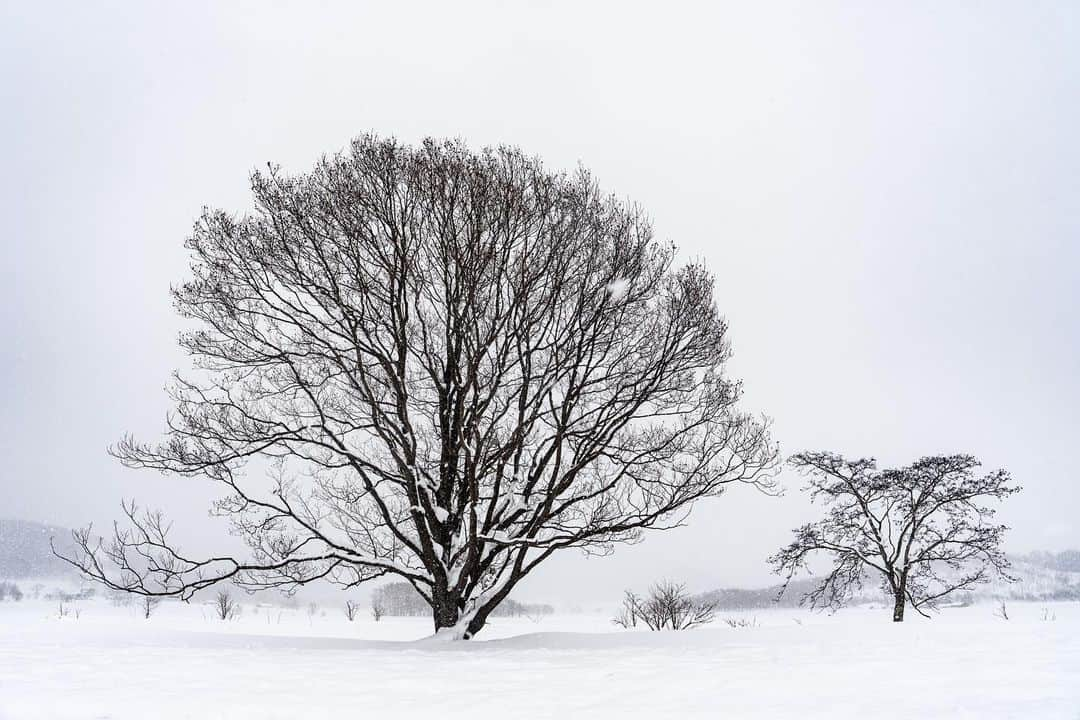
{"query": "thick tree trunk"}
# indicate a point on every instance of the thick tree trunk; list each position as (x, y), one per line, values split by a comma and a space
(899, 600)
(444, 611)
(446, 614)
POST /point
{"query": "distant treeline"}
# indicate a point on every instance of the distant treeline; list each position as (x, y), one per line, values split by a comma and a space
(1065, 561)
(400, 599)
(758, 598)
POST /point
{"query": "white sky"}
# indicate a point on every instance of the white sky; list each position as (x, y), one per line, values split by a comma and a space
(886, 192)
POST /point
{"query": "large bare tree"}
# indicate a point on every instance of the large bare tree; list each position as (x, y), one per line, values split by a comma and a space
(450, 365)
(926, 530)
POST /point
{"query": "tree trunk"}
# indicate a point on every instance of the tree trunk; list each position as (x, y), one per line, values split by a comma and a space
(444, 611)
(479, 619)
(447, 608)
(899, 600)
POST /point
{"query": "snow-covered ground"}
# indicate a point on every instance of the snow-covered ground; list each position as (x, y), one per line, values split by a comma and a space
(280, 663)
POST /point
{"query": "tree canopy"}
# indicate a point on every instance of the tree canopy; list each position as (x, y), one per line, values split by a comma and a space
(449, 365)
(925, 530)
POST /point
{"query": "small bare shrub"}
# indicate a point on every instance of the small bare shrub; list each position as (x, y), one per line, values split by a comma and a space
(225, 607)
(667, 607)
(68, 609)
(351, 608)
(147, 605)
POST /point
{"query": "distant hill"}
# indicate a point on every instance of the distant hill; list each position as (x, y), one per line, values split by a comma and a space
(25, 551)
(1041, 576)
(1065, 561)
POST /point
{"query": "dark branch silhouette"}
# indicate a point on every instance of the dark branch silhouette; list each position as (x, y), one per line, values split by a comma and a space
(449, 365)
(925, 529)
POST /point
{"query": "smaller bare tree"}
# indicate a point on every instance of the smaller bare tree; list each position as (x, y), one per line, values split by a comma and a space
(119, 598)
(225, 606)
(667, 607)
(378, 609)
(351, 608)
(926, 529)
(148, 605)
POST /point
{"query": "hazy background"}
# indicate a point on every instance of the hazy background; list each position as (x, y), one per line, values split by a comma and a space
(886, 192)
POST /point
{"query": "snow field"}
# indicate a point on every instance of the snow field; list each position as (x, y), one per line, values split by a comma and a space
(280, 663)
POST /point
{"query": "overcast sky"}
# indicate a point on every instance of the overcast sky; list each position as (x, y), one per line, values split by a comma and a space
(887, 193)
